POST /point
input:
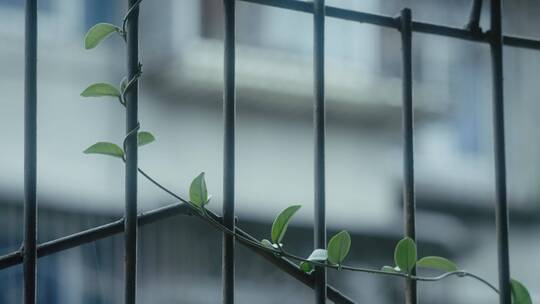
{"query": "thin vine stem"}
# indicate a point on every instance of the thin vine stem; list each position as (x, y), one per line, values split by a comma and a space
(459, 273)
(209, 217)
(128, 13)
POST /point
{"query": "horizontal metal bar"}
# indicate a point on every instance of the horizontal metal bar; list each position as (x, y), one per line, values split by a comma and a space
(94, 234)
(521, 42)
(117, 227)
(387, 21)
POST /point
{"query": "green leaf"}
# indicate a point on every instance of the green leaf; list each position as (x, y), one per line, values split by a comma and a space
(307, 267)
(144, 138)
(338, 247)
(391, 269)
(436, 262)
(279, 227)
(405, 254)
(318, 255)
(520, 294)
(100, 89)
(198, 194)
(97, 33)
(105, 148)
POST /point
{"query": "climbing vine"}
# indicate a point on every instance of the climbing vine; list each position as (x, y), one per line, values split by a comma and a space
(338, 247)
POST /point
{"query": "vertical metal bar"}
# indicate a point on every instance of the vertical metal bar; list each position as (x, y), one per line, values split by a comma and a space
(499, 146)
(474, 18)
(130, 236)
(409, 203)
(30, 154)
(229, 117)
(319, 134)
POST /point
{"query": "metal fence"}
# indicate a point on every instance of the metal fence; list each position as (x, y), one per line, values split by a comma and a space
(30, 251)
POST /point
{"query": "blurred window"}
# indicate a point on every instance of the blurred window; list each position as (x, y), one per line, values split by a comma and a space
(43, 4)
(211, 19)
(390, 45)
(390, 58)
(11, 280)
(12, 2)
(99, 11)
(248, 22)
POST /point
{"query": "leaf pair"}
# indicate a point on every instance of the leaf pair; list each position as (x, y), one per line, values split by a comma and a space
(111, 149)
(338, 249)
(94, 36)
(338, 246)
(318, 255)
(405, 258)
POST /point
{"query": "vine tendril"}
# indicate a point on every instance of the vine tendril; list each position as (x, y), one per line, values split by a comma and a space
(239, 234)
(126, 16)
(281, 252)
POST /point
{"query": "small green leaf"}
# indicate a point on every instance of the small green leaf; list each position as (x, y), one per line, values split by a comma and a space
(436, 262)
(100, 89)
(520, 294)
(105, 148)
(279, 227)
(198, 194)
(144, 138)
(307, 267)
(318, 255)
(405, 254)
(338, 247)
(390, 269)
(97, 33)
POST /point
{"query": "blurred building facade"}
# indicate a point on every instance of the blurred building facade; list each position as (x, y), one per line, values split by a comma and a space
(181, 91)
